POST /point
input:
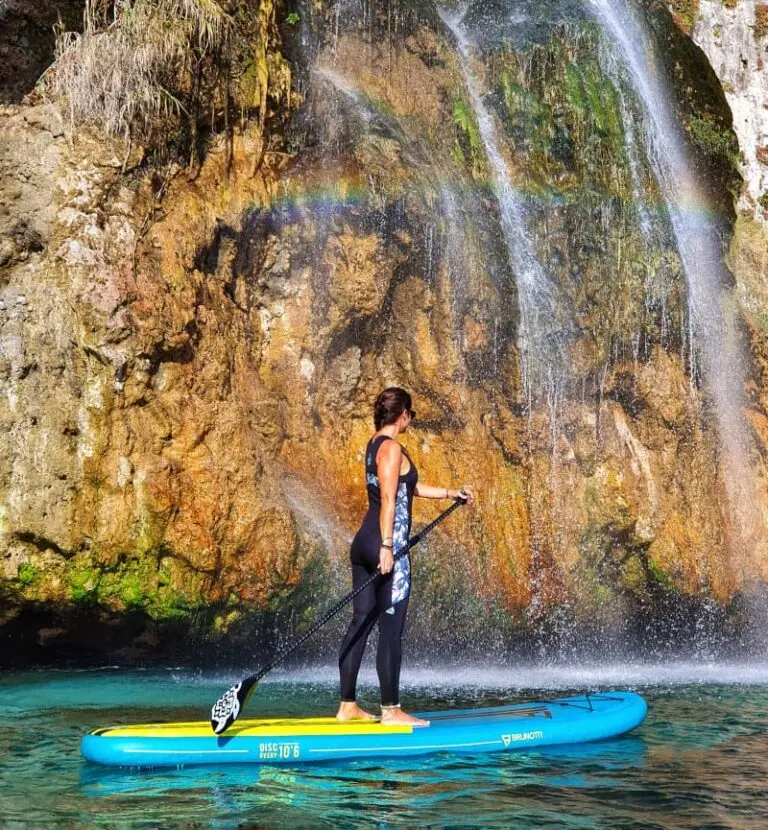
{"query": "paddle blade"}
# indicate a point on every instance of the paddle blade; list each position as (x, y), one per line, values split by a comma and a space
(228, 707)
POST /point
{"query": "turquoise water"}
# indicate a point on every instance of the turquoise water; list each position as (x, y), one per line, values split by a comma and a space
(699, 761)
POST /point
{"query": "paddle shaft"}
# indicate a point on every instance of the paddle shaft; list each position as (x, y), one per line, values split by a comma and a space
(414, 540)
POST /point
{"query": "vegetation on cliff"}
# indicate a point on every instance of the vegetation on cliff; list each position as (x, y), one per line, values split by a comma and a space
(204, 451)
(761, 20)
(684, 13)
(169, 73)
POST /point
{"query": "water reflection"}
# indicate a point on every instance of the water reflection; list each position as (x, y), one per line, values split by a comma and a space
(699, 760)
(357, 793)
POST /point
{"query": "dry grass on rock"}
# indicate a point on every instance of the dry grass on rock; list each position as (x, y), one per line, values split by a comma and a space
(169, 72)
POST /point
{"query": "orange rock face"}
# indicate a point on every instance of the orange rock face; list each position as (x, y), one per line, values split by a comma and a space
(188, 387)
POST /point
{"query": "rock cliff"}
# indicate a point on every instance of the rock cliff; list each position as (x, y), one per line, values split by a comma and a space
(734, 36)
(189, 357)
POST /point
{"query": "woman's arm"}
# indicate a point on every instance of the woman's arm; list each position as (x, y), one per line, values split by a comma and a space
(426, 491)
(388, 472)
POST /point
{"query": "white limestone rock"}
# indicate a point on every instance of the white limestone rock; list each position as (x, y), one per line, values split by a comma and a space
(727, 37)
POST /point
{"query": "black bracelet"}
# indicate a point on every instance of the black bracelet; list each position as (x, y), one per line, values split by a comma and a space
(388, 547)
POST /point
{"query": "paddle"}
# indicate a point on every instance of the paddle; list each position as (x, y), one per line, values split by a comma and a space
(228, 707)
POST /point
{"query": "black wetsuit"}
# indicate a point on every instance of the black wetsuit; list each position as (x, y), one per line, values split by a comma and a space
(386, 600)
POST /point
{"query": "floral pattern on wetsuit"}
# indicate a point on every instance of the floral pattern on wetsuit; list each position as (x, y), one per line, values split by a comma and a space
(401, 579)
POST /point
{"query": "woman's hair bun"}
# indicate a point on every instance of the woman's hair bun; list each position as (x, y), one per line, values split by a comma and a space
(390, 405)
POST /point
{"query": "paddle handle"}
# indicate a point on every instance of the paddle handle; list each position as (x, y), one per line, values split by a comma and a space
(331, 612)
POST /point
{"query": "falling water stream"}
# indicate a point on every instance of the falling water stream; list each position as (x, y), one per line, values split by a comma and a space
(539, 341)
(698, 242)
(699, 760)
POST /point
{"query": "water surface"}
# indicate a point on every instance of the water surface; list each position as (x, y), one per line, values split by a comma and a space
(699, 761)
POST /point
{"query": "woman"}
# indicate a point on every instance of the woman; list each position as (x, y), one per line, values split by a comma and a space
(392, 482)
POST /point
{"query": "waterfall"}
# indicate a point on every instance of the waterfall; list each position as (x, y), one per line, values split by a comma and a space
(541, 351)
(531, 175)
(451, 208)
(711, 320)
(652, 222)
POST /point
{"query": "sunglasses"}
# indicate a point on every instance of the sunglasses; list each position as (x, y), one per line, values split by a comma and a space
(412, 413)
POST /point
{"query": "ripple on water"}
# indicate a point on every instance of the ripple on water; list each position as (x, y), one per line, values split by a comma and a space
(700, 759)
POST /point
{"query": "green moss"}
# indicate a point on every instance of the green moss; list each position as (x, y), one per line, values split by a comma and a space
(764, 200)
(82, 580)
(464, 120)
(519, 100)
(603, 594)
(658, 574)
(141, 584)
(604, 107)
(468, 144)
(632, 573)
(595, 595)
(760, 320)
(592, 497)
(29, 575)
(292, 19)
(123, 586)
(595, 102)
(223, 622)
(685, 13)
(134, 583)
(530, 122)
(574, 88)
(708, 136)
(713, 140)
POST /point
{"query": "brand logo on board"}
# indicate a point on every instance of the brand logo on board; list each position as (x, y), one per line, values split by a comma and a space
(514, 737)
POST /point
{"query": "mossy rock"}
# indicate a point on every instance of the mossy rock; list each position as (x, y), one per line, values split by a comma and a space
(468, 145)
(29, 576)
(699, 99)
(659, 575)
(134, 584)
(633, 577)
(685, 13)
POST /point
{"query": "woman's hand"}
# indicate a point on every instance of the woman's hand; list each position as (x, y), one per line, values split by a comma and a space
(466, 493)
(386, 560)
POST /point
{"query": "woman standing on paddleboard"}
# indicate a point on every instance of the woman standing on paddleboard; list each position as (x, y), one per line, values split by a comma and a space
(392, 482)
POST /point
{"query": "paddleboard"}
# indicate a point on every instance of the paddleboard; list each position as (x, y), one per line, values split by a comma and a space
(568, 720)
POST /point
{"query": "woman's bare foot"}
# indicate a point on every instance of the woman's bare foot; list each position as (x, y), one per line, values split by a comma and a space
(395, 715)
(349, 710)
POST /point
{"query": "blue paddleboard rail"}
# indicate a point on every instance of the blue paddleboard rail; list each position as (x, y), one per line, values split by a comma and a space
(569, 720)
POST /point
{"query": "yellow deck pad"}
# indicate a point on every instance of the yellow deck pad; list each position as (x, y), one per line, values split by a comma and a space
(283, 727)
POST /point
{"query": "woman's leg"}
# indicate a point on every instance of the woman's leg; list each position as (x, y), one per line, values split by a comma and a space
(389, 655)
(364, 616)
(389, 659)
